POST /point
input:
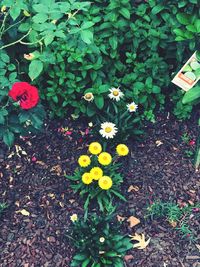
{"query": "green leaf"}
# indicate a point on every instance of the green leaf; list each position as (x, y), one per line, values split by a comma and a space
(87, 25)
(40, 18)
(183, 18)
(157, 9)
(191, 95)
(2, 119)
(125, 12)
(8, 138)
(49, 39)
(87, 36)
(80, 257)
(85, 263)
(99, 101)
(197, 25)
(15, 12)
(113, 42)
(35, 68)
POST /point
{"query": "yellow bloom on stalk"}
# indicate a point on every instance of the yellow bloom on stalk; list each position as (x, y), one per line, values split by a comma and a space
(87, 178)
(95, 148)
(74, 217)
(3, 9)
(105, 182)
(104, 158)
(96, 173)
(122, 150)
(84, 161)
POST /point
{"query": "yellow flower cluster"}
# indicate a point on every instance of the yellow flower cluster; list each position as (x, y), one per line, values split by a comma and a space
(104, 158)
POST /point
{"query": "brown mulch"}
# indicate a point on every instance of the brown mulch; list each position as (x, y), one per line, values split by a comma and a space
(32, 178)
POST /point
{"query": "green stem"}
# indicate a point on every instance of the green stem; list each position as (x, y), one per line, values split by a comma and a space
(18, 41)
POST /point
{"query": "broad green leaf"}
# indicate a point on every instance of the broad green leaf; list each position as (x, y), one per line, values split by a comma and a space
(40, 18)
(49, 39)
(8, 138)
(15, 12)
(157, 9)
(99, 101)
(125, 12)
(87, 36)
(191, 95)
(35, 68)
(183, 18)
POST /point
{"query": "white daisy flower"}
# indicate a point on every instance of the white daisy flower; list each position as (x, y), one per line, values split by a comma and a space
(108, 130)
(115, 93)
(132, 107)
(89, 97)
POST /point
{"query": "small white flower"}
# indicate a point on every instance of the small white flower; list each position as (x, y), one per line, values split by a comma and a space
(132, 107)
(108, 130)
(102, 239)
(74, 217)
(88, 97)
(115, 93)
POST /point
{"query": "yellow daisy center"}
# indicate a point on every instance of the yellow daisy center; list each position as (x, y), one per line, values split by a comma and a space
(132, 107)
(115, 93)
(108, 129)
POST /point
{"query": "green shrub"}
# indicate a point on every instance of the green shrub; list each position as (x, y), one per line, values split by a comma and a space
(98, 242)
(71, 47)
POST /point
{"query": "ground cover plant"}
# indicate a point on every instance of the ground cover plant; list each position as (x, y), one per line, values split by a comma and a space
(98, 242)
(98, 177)
(92, 78)
(178, 217)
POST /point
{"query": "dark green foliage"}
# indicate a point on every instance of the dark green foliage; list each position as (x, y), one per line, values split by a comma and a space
(86, 237)
(175, 215)
(3, 207)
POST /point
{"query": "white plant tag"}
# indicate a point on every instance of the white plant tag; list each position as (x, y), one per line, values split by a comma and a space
(189, 74)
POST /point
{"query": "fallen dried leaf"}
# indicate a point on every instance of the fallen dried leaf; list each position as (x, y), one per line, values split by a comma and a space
(128, 257)
(23, 212)
(159, 143)
(133, 188)
(173, 223)
(52, 196)
(57, 169)
(17, 203)
(142, 244)
(120, 218)
(133, 221)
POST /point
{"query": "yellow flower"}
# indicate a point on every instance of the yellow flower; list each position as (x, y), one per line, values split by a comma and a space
(105, 182)
(96, 173)
(74, 217)
(95, 148)
(84, 161)
(122, 150)
(87, 178)
(104, 158)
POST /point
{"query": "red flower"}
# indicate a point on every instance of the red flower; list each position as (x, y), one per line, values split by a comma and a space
(192, 142)
(25, 93)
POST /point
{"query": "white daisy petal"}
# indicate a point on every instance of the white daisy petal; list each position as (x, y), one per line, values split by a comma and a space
(108, 130)
(132, 107)
(115, 93)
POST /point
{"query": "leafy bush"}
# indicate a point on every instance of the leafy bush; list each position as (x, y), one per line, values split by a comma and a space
(98, 242)
(98, 178)
(69, 48)
(15, 120)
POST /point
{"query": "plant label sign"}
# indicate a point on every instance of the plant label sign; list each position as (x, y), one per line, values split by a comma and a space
(189, 74)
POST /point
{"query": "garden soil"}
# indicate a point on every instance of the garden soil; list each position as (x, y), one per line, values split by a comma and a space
(40, 200)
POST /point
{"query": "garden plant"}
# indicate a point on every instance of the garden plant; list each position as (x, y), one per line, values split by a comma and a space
(96, 139)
